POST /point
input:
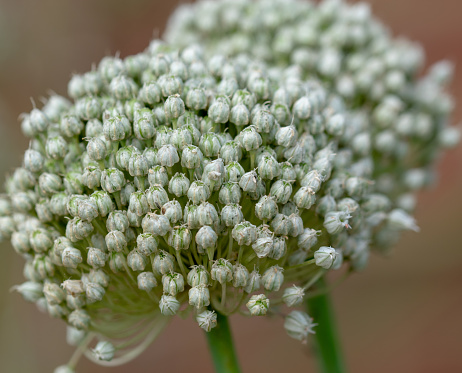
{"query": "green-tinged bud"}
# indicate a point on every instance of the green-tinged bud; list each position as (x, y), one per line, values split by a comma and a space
(70, 126)
(156, 196)
(231, 152)
(253, 284)
(104, 351)
(163, 263)
(53, 293)
(268, 168)
(138, 165)
(198, 276)
(308, 239)
(43, 266)
(96, 149)
(75, 302)
(172, 283)
(400, 220)
(158, 225)
(219, 111)
(199, 296)
(279, 248)
(299, 325)
(71, 257)
(263, 246)
(293, 296)
(94, 292)
(207, 214)
(147, 244)
(138, 203)
(198, 192)
(273, 278)
(112, 180)
(245, 233)
(304, 198)
(172, 210)
(325, 257)
(30, 291)
(196, 99)
(179, 185)
(312, 180)
(123, 88)
(136, 261)
(117, 221)
(96, 257)
(73, 287)
(116, 241)
(281, 224)
(240, 275)
(98, 277)
(167, 156)
(206, 238)
(49, 183)
(210, 144)
(146, 281)
(79, 319)
(56, 148)
(222, 271)
(266, 208)
(168, 305)
(258, 305)
(74, 336)
(230, 193)
(179, 238)
(336, 221)
(158, 175)
(207, 320)
(40, 240)
(191, 157)
(249, 182)
(174, 107)
(250, 139)
(231, 215)
(91, 177)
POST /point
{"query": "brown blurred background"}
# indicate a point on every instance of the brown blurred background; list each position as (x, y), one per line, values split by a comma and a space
(401, 315)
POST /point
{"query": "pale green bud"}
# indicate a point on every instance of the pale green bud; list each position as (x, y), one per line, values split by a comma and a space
(304, 198)
(325, 257)
(263, 246)
(273, 278)
(231, 215)
(191, 157)
(299, 325)
(222, 271)
(336, 221)
(168, 305)
(327, 204)
(207, 320)
(112, 180)
(250, 139)
(179, 238)
(174, 107)
(266, 208)
(104, 351)
(91, 177)
(196, 99)
(248, 182)
(94, 292)
(210, 144)
(258, 305)
(158, 225)
(156, 196)
(172, 210)
(79, 319)
(71, 257)
(146, 281)
(73, 287)
(206, 238)
(158, 175)
(138, 203)
(147, 244)
(207, 214)
(401, 220)
(179, 185)
(116, 241)
(117, 221)
(163, 263)
(293, 296)
(199, 296)
(96, 258)
(240, 275)
(30, 291)
(172, 283)
(168, 156)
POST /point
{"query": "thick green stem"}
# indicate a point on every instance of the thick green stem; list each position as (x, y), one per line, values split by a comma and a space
(327, 346)
(222, 347)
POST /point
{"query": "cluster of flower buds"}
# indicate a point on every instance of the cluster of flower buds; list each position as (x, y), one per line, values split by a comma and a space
(179, 180)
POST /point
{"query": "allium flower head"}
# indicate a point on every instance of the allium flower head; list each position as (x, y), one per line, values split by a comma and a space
(188, 177)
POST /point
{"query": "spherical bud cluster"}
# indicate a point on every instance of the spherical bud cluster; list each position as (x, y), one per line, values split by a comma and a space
(175, 181)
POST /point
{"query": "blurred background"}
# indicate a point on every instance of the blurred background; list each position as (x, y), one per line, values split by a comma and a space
(402, 314)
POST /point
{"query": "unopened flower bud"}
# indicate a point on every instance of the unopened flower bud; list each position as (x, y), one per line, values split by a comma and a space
(168, 305)
(207, 320)
(104, 351)
(146, 281)
(299, 325)
(273, 278)
(293, 296)
(258, 305)
(325, 257)
(199, 296)
(172, 283)
(163, 263)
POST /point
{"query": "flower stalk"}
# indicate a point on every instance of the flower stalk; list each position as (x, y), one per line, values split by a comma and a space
(327, 344)
(221, 347)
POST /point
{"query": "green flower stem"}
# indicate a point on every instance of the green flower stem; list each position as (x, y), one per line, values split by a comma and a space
(222, 347)
(327, 344)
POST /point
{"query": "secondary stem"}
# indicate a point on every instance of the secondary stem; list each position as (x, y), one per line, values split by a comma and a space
(222, 348)
(330, 357)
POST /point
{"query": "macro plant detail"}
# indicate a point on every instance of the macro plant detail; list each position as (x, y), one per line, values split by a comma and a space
(224, 171)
